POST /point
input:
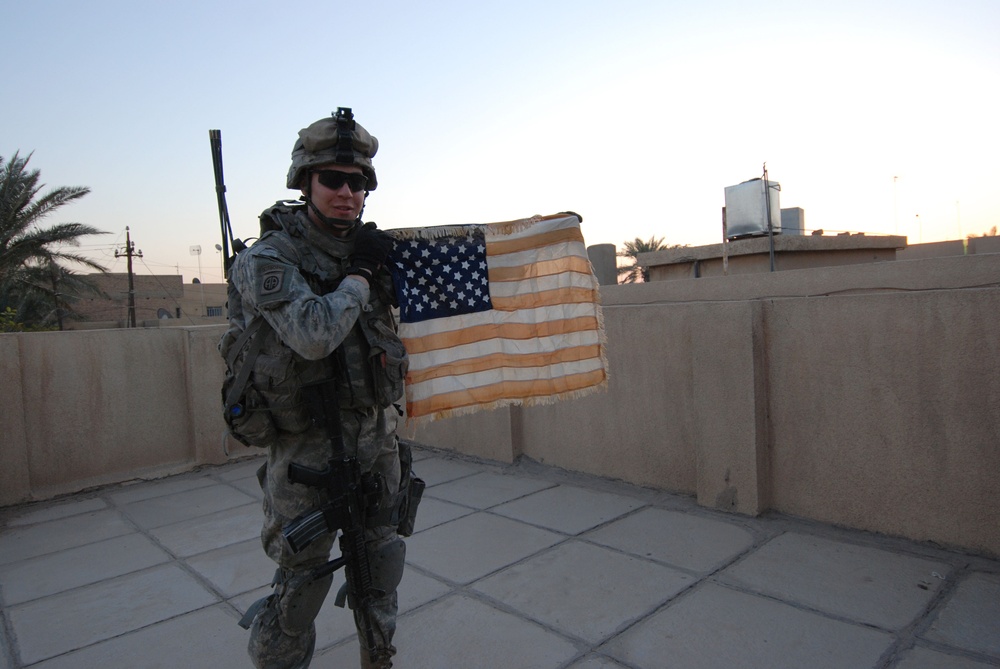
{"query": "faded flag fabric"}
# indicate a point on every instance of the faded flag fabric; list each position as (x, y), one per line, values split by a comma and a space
(497, 314)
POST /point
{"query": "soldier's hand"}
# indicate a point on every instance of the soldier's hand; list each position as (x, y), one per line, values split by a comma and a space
(371, 248)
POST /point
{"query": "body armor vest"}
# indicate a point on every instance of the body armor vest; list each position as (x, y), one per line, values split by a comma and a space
(369, 366)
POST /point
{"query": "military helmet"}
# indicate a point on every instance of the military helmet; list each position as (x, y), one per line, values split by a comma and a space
(337, 139)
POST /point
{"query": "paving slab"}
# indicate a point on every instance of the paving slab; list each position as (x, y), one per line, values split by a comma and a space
(6, 656)
(22, 543)
(486, 489)
(208, 637)
(925, 658)
(167, 509)
(72, 620)
(971, 617)
(568, 509)
(557, 571)
(244, 469)
(585, 591)
(459, 631)
(57, 572)
(235, 569)
(689, 541)
(864, 584)
(137, 491)
(205, 533)
(713, 626)
(43, 512)
(595, 662)
(473, 546)
(433, 512)
(249, 486)
(437, 470)
(417, 589)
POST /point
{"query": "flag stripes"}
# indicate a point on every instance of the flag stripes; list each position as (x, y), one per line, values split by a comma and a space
(542, 340)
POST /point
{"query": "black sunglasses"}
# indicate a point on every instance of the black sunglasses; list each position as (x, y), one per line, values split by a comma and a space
(335, 180)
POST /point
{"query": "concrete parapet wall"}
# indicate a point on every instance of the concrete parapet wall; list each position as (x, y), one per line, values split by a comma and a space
(864, 396)
(104, 406)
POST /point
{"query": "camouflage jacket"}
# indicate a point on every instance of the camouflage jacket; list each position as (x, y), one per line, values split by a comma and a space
(322, 323)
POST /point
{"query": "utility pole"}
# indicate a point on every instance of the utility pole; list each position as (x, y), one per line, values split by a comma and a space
(128, 252)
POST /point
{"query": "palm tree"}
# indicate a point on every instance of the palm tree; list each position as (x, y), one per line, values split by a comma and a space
(32, 281)
(633, 273)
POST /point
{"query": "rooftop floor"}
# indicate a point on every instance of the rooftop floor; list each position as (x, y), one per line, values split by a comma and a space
(512, 567)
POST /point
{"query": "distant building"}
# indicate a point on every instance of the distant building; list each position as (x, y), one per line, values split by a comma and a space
(160, 300)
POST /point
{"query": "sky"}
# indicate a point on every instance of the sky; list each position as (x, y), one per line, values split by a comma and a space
(878, 116)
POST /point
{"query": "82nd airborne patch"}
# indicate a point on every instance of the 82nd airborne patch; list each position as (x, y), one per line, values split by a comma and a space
(272, 284)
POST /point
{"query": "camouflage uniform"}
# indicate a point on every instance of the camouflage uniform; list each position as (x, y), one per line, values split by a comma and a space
(295, 277)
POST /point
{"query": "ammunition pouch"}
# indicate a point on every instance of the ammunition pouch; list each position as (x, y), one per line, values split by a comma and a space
(388, 360)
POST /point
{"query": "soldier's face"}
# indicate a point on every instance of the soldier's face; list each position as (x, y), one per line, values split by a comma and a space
(342, 202)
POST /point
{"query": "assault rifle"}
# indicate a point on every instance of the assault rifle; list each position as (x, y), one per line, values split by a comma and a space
(351, 497)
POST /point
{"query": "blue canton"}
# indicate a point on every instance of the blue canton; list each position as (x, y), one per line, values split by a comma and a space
(440, 277)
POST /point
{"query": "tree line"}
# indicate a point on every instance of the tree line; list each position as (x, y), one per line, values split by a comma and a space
(37, 285)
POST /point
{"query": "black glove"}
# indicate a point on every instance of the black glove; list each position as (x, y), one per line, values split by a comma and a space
(371, 248)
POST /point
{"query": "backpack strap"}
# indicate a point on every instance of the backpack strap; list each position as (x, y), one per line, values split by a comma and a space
(240, 380)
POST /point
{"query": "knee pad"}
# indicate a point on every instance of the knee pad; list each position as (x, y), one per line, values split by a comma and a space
(271, 648)
(386, 561)
(299, 599)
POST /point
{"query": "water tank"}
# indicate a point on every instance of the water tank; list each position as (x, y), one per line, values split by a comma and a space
(748, 205)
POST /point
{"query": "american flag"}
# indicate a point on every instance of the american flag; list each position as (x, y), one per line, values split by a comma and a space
(497, 314)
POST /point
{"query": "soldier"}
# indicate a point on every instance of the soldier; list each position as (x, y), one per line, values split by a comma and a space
(315, 291)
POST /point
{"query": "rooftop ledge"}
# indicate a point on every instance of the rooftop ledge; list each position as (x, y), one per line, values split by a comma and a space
(782, 244)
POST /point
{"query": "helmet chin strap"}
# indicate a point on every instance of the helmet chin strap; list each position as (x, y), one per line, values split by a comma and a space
(339, 224)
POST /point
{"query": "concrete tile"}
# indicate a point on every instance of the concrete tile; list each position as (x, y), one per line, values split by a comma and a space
(925, 658)
(585, 591)
(344, 655)
(74, 567)
(44, 538)
(568, 509)
(138, 491)
(474, 546)
(334, 624)
(867, 585)
(486, 489)
(245, 469)
(596, 662)
(166, 509)
(683, 540)
(243, 602)
(49, 627)
(205, 533)
(714, 627)
(433, 512)
(250, 486)
(6, 655)
(436, 470)
(205, 638)
(236, 568)
(416, 590)
(42, 513)
(459, 631)
(971, 617)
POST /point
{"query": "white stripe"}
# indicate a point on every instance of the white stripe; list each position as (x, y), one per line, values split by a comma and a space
(533, 256)
(431, 359)
(539, 227)
(542, 283)
(493, 317)
(421, 391)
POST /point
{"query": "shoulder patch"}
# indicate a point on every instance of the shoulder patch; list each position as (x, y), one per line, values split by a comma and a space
(272, 283)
